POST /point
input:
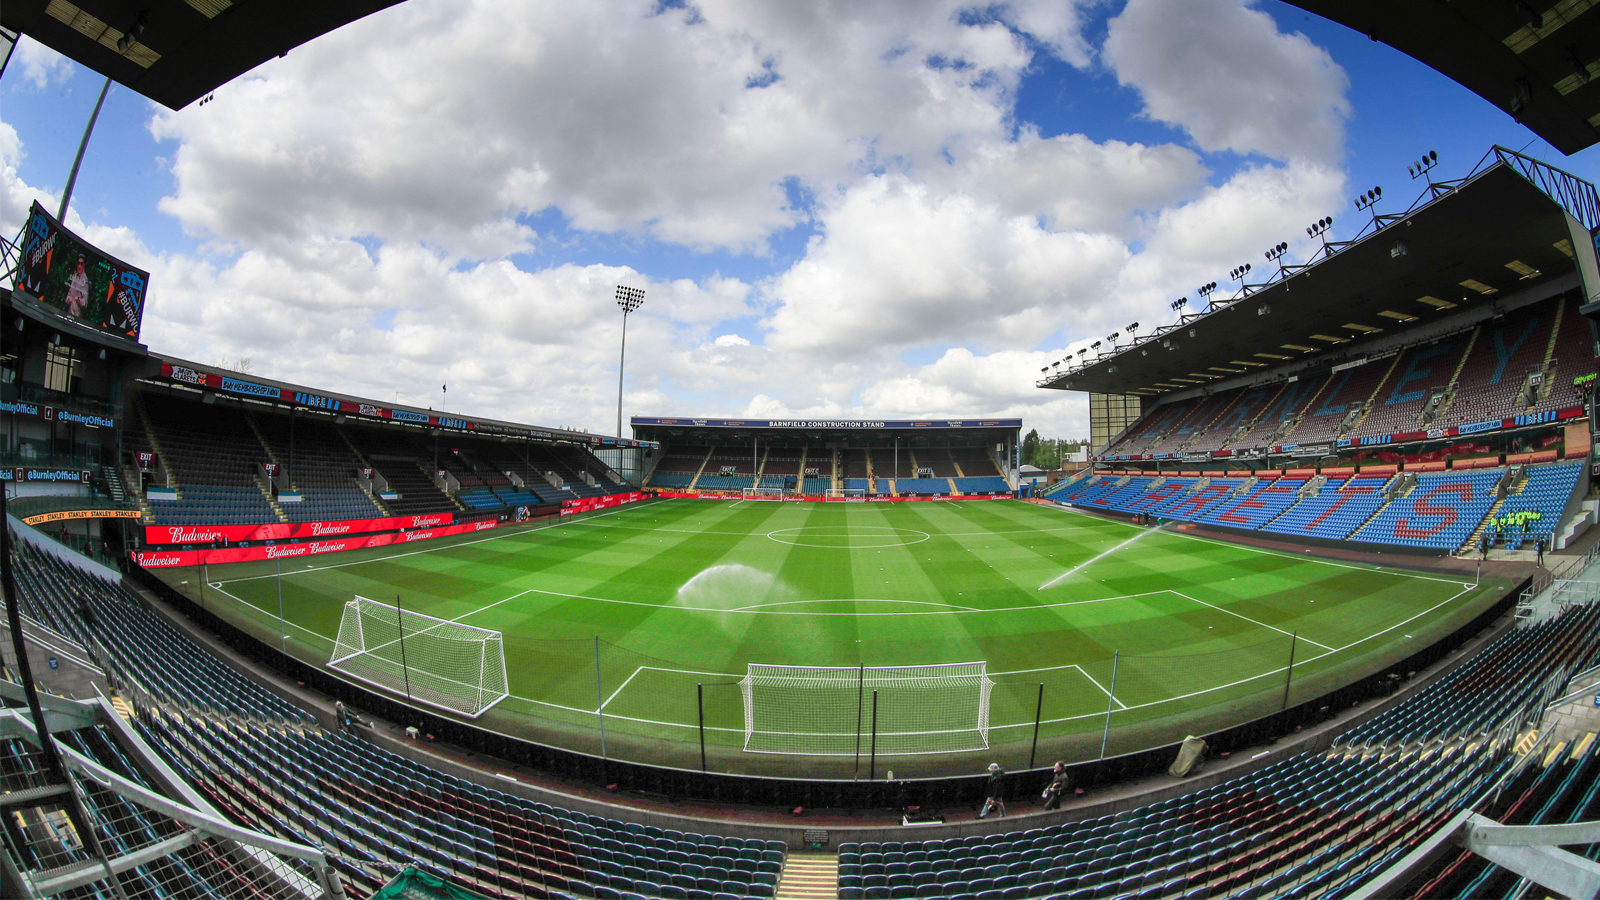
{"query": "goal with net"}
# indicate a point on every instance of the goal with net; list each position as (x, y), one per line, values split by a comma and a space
(434, 661)
(853, 494)
(829, 710)
(763, 493)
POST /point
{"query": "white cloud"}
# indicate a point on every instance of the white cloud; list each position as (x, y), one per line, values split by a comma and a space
(447, 122)
(1223, 72)
(901, 265)
(369, 193)
(40, 65)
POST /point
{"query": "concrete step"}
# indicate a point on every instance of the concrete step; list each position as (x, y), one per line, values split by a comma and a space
(122, 708)
(809, 876)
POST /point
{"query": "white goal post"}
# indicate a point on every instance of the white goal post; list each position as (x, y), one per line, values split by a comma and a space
(445, 664)
(829, 710)
(763, 493)
(856, 494)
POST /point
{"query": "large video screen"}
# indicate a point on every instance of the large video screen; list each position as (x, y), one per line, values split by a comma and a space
(81, 282)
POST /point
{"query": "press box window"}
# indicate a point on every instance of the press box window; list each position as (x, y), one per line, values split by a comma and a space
(60, 367)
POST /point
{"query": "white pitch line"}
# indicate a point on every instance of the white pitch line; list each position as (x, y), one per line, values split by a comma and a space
(636, 672)
(1102, 687)
(756, 606)
(1252, 621)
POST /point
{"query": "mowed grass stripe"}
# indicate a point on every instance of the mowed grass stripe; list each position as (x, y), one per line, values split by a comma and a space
(705, 590)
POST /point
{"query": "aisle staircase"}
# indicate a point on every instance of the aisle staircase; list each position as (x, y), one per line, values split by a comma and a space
(702, 470)
(809, 876)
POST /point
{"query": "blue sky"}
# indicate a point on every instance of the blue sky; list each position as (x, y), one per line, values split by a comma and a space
(898, 211)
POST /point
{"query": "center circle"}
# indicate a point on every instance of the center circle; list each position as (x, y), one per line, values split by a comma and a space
(860, 537)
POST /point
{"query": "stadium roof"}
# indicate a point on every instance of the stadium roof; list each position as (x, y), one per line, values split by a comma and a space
(856, 432)
(1535, 59)
(164, 368)
(184, 49)
(1470, 243)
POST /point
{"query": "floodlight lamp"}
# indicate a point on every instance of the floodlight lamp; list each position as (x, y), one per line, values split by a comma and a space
(629, 298)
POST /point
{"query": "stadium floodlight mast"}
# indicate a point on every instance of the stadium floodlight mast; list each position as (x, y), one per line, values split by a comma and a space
(1418, 169)
(630, 299)
(1369, 201)
(1276, 255)
(1320, 228)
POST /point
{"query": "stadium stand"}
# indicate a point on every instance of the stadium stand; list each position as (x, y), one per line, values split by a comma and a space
(1516, 364)
(1430, 510)
(1439, 512)
(269, 765)
(1504, 354)
(213, 463)
(1421, 377)
(1338, 507)
(1237, 419)
(320, 464)
(1544, 490)
(1265, 502)
(1316, 824)
(986, 484)
(213, 454)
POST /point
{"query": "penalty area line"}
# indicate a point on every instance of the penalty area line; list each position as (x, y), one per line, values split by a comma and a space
(629, 679)
(1112, 697)
(1253, 621)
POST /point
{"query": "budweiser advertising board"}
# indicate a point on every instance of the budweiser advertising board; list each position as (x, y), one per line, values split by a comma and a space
(161, 559)
(281, 531)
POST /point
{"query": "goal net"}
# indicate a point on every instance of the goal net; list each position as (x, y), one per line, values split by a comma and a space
(828, 711)
(434, 661)
(763, 493)
(846, 494)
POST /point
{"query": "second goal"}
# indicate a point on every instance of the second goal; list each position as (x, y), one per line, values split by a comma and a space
(889, 710)
(429, 660)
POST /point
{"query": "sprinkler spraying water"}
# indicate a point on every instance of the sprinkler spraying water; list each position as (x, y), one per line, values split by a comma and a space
(1089, 562)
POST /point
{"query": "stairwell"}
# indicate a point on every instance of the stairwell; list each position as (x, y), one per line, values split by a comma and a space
(1300, 416)
(955, 463)
(1247, 427)
(1381, 507)
(147, 514)
(367, 464)
(1366, 408)
(703, 463)
(1429, 417)
(1205, 427)
(261, 438)
(1470, 545)
(809, 876)
(1548, 365)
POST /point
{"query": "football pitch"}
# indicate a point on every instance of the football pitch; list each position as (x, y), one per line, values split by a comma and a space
(641, 620)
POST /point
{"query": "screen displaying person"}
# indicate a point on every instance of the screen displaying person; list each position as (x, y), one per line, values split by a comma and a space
(77, 291)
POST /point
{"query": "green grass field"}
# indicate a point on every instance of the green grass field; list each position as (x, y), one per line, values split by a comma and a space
(1171, 632)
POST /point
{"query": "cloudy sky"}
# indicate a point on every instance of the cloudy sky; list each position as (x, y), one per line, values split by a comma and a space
(903, 207)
